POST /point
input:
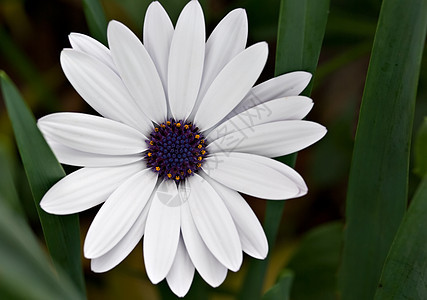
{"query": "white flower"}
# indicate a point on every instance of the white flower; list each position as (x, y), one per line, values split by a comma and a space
(182, 132)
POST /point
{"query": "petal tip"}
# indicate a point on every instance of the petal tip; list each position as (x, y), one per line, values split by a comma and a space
(322, 131)
(305, 76)
(154, 5)
(178, 290)
(235, 265)
(240, 13)
(155, 278)
(44, 205)
(97, 268)
(88, 248)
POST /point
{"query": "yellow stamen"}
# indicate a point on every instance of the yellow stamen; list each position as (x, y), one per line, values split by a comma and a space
(203, 151)
(157, 168)
(169, 175)
(199, 146)
(163, 125)
(151, 143)
(197, 136)
(156, 129)
(199, 158)
(189, 171)
(149, 154)
(177, 177)
(199, 165)
(168, 122)
(178, 125)
(202, 141)
(186, 126)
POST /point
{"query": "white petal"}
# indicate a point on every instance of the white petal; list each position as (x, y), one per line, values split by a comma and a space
(214, 223)
(252, 236)
(102, 89)
(162, 232)
(255, 175)
(270, 139)
(211, 270)
(158, 32)
(119, 213)
(288, 108)
(69, 156)
(116, 255)
(137, 71)
(88, 45)
(181, 273)
(231, 85)
(186, 60)
(290, 84)
(226, 41)
(86, 188)
(92, 134)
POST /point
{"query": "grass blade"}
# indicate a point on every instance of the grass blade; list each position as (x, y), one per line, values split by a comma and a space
(302, 26)
(377, 191)
(43, 170)
(25, 270)
(96, 20)
(8, 191)
(402, 276)
(282, 289)
(316, 262)
(420, 150)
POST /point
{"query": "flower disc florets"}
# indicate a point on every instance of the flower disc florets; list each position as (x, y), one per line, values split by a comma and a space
(176, 150)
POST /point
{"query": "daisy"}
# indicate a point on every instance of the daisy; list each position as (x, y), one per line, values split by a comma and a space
(182, 133)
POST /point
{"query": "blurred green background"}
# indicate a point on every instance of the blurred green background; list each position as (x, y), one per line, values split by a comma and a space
(32, 34)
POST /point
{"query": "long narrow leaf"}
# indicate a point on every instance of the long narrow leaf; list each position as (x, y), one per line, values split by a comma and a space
(420, 150)
(377, 191)
(43, 170)
(282, 289)
(8, 190)
(316, 262)
(25, 270)
(302, 26)
(403, 274)
(96, 20)
(407, 260)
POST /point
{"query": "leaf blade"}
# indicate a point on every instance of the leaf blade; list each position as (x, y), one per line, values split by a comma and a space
(282, 289)
(403, 275)
(96, 20)
(25, 271)
(377, 189)
(420, 150)
(43, 170)
(316, 262)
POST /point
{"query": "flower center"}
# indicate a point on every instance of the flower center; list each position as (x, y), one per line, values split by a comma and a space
(176, 150)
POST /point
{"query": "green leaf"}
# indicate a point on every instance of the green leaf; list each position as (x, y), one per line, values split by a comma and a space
(316, 262)
(7, 185)
(25, 270)
(405, 269)
(300, 35)
(43, 170)
(377, 189)
(421, 150)
(96, 20)
(282, 289)
(302, 26)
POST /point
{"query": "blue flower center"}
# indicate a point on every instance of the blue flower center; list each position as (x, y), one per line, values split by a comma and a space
(176, 150)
